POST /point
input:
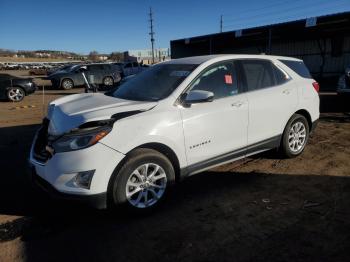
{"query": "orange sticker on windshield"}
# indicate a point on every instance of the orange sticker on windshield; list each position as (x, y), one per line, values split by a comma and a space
(228, 79)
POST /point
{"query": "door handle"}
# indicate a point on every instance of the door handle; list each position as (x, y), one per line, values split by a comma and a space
(237, 104)
(286, 91)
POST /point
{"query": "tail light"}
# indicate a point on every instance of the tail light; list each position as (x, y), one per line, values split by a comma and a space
(316, 86)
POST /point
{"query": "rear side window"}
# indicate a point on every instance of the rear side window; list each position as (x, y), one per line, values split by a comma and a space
(106, 67)
(258, 74)
(94, 67)
(298, 67)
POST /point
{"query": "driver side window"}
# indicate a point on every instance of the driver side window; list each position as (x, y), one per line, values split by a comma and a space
(220, 79)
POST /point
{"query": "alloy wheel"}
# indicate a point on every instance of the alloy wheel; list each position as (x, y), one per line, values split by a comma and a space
(146, 185)
(16, 94)
(108, 81)
(67, 84)
(297, 137)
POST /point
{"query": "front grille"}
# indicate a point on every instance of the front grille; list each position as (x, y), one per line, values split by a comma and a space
(39, 151)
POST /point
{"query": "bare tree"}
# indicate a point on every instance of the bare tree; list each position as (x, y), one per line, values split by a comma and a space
(116, 56)
(93, 55)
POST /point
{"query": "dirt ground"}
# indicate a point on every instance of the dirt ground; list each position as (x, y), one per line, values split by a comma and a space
(260, 209)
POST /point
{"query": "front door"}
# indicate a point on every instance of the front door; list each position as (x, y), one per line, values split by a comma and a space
(213, 129)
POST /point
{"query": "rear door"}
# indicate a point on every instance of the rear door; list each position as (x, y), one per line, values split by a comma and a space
(214, 129)
(95, 73)
(272, 99)
(128, 69)
(135, 67)
(5, 82)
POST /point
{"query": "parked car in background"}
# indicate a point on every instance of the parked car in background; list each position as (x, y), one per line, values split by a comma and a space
(344, 83)
(15, 88)
(99, 74)
(126, 79)
(63, 68)
(39, 71)
(169, 122)
(130, 68)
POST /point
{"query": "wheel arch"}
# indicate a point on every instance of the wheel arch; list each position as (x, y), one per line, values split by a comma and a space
(159, 147)
(167, 151)
(307, 115)
(18, 86)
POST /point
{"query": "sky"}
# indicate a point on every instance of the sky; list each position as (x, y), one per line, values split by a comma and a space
(112, 25)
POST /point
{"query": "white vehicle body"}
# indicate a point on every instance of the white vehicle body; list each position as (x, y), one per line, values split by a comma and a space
(195, 137)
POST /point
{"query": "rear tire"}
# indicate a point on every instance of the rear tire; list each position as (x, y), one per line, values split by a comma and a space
(295, 136)
(142, 182)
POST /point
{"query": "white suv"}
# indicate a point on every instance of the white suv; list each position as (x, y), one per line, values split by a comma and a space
(176, 119)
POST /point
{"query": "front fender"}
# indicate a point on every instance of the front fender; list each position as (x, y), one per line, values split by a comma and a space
(149, 127)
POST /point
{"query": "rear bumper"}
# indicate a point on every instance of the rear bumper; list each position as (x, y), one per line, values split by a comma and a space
(31, 90)
(343, 91)
(314, 125)
(98, 201)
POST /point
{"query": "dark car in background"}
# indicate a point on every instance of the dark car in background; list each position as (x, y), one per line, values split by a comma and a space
(15, 88)
(344, 83)
(130, 68)
(98, 74)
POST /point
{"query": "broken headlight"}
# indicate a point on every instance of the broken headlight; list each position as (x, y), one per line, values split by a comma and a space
(80, 140)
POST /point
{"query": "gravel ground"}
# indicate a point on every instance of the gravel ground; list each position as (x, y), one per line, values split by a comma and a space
(259, 209)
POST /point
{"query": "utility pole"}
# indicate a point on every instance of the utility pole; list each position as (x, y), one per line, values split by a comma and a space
(221, 24)
(151, 33)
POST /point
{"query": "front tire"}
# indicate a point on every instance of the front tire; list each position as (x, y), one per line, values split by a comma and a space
(142, 182)
(108, 81)
(15, 94)
(67, 84)
(295, 136)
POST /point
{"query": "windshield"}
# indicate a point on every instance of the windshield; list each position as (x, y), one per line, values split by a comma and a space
(72, 68)
(154, 84)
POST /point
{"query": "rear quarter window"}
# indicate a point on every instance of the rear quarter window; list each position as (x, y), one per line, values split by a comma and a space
(280, 76)
(298, 67)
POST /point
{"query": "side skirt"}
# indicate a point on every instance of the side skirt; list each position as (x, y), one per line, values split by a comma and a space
(253, 149)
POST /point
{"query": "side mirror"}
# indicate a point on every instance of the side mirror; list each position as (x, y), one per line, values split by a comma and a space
(198, 96)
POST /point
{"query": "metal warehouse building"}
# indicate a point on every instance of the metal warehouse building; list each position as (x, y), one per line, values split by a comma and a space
(322, 42)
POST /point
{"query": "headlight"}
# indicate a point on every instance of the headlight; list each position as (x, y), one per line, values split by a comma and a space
(71, 142)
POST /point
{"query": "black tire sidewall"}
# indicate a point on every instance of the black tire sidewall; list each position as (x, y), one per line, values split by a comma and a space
(135, 160)
(285, 144)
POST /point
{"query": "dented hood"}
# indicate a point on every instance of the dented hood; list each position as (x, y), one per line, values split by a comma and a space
(72, 111)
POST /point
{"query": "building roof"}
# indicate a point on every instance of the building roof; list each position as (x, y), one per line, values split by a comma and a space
(262, 38)
(302, 20)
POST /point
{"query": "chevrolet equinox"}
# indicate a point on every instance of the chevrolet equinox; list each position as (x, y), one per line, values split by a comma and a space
(176, 119)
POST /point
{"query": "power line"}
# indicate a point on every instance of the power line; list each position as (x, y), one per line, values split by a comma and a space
(152, 32)
(283, 10)
(250, 10)
(283, 16)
